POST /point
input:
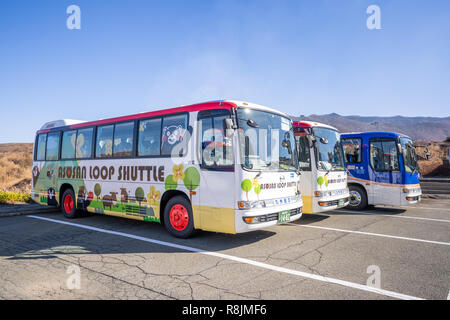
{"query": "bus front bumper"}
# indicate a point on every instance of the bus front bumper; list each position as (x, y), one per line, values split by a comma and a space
(411, 196)
(322, 204)
(248, 220)
(326, 204)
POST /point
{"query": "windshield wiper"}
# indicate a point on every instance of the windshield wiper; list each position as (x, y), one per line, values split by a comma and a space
(258, 175)
(334, 166)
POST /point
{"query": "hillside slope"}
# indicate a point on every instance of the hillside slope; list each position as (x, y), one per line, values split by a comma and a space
(15, 167)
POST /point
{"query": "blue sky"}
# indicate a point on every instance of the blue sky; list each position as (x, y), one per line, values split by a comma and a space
(301, 57)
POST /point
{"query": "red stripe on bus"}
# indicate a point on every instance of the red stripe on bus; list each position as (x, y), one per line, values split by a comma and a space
(300, 124)
(191, 108)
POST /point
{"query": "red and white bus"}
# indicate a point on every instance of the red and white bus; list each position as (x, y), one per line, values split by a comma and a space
(224, 166)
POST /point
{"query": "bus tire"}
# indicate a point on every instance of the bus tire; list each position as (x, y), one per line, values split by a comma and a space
(358, 198)
(178, 217)
(68, 204)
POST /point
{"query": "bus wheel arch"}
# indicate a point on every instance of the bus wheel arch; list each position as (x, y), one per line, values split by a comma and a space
(68, 202)
(358, 197)
(63, 189)
(175, 202)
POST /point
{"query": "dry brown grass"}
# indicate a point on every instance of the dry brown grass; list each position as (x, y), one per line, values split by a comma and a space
(15, 167)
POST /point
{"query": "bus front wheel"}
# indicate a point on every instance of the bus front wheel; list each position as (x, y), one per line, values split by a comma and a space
(178, 218)
(358, 198)
(68, 204)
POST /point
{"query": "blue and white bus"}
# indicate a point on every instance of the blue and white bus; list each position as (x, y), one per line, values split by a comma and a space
(382, 169)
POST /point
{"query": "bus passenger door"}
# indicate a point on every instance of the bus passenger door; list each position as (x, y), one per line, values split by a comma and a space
(216, 190)
(386, 171)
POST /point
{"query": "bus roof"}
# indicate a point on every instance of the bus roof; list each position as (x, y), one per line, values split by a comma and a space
(218, 104)
(309, 124)
(374, 134)
(60, 123)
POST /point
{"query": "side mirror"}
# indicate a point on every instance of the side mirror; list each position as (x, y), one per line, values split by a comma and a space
(324, 141)
(400, 150)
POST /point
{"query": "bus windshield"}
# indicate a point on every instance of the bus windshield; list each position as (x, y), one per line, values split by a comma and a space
(266, 141)
(409, 154)
(328, 149)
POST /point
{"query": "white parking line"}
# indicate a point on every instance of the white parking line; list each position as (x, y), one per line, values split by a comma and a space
(371, 234)
(387, 215)
(242, 260)
(429, 208)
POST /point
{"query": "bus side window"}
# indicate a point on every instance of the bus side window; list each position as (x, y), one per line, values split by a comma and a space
(384, 156)
(173, 133)
(68, 144)
(352, 150)
(52, 146)
(304, 155)
(223, 144)
(207, 139)
(149, 137)
(41, 146)
(216, 149)
(103, 148)
(123, 139)
(83, 147)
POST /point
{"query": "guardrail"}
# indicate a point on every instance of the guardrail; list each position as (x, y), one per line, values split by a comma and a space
(432, 185)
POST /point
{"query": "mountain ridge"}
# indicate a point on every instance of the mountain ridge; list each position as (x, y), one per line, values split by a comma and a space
(418, 128)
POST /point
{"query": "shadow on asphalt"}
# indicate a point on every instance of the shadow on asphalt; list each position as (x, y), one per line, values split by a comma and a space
(28, 238)
(308, 218)
(385, 210)
(369, 210)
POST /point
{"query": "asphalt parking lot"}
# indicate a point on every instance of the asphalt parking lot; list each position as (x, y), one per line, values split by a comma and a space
(381, 253)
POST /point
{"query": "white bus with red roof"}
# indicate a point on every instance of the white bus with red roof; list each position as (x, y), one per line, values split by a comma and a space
(223, 166)
(323, 181)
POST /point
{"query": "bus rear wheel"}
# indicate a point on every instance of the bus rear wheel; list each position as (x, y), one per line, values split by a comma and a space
(358, 198)
(178, 218)
(68, 204)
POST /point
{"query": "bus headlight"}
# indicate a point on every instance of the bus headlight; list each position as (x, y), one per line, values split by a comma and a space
(330, 193)
(321, 194)
(251, 220)
(411, 190)
(251, 204)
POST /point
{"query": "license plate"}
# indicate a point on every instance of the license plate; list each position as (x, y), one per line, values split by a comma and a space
(341, 203)
(284, 216)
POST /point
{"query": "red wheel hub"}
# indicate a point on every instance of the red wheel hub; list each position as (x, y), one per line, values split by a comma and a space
(179, 217)
(68, 203)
